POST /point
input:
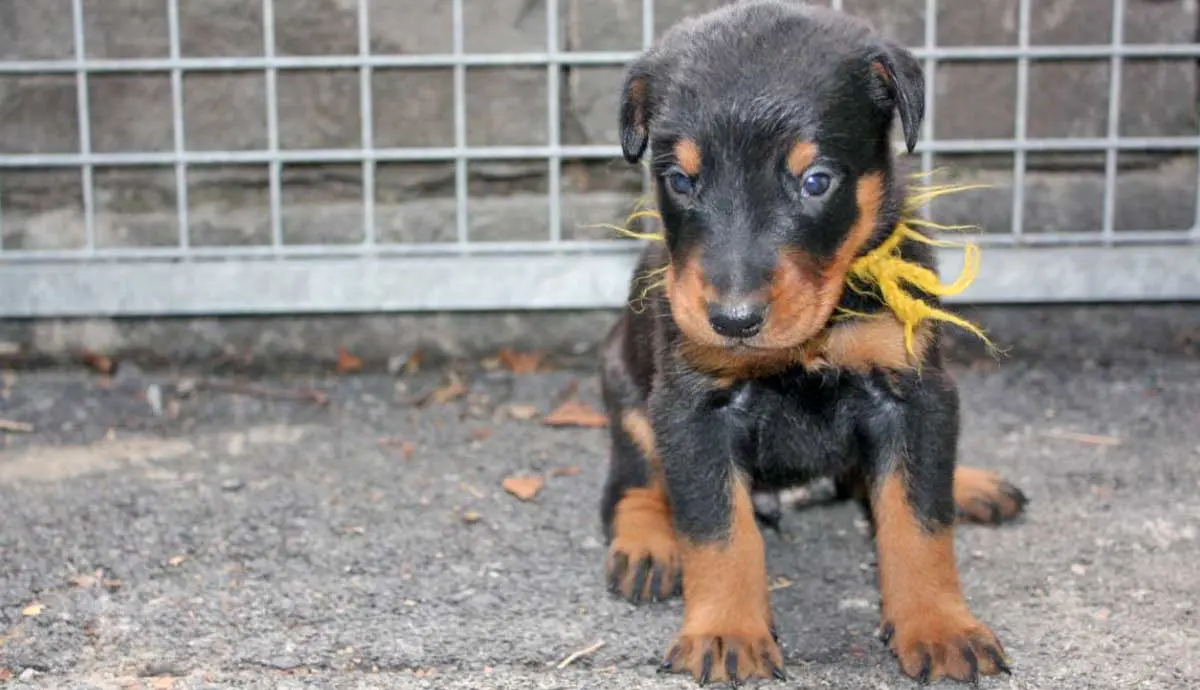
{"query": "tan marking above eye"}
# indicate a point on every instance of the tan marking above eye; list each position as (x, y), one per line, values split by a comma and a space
(801, 156)
(687, 156)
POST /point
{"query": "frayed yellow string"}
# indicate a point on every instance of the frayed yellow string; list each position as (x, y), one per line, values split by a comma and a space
(652, 279)
(884, 268)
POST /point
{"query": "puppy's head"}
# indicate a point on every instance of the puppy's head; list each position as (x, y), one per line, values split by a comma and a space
(767, 125)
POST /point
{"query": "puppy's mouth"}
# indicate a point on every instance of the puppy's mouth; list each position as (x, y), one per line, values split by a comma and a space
(759, 344)
(744, 345)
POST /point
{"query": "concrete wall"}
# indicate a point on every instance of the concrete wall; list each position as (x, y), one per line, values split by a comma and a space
(508, 106)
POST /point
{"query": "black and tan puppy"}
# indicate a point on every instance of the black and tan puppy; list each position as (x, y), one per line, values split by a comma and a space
(767, 129)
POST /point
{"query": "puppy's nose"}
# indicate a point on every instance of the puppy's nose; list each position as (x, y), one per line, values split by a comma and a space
(737, 319)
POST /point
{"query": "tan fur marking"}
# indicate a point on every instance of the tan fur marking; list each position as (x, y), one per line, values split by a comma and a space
(801, 156)
(641, 529)
(878, 68)
(922, 598)
(636, 425)
(689, 294)
(687, 156)
(731, 366)
(984, 496)
(726, 602)
(874, 343)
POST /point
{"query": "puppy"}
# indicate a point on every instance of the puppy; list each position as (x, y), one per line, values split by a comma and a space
(750, 358)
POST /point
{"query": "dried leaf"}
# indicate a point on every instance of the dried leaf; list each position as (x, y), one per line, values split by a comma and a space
(522, 412)
(524, 488)
(564, 471)
(480, 434)
(574, 412)
(348, 363)
(176, 561)
(413, 364)
(406, 447)
(6, 674)
(34, 609)
(162, 683)
(83, 581)
(521, 362)
(97, 362)
(112, 583)
(454, 389)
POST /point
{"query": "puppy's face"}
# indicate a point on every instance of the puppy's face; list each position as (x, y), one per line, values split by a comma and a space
(767, 124)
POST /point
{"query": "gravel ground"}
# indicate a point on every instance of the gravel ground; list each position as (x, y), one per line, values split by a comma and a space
(159, 533)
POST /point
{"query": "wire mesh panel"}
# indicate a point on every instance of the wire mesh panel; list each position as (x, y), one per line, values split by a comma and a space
(159, 157)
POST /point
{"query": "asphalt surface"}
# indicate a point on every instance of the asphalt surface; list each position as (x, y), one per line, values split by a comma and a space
(237, 540)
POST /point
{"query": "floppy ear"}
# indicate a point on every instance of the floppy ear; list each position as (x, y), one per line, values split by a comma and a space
(901, 82)
(636, 109)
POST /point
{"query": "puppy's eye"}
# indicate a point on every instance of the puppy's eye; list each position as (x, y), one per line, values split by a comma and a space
(680, 183)
(816, 184)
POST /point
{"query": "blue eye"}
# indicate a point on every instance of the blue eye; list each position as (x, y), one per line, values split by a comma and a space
(816, 184)
(681, 184)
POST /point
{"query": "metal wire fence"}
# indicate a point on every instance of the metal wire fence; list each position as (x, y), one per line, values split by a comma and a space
(1022, 263)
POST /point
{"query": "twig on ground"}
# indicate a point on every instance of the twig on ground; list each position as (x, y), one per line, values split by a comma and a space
(575, 656)
(302, 394)
(13, 427)
(1089, 439)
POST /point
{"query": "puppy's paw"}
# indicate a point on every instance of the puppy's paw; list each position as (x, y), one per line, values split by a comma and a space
(984, 497)
(645, 566)
(943, 641)
(729, 658)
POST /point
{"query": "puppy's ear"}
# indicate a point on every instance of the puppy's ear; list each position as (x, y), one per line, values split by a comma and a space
(637, 98)
(899, 84)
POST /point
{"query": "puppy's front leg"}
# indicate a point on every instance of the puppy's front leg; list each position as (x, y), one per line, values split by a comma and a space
(728, 633)
(926, 620)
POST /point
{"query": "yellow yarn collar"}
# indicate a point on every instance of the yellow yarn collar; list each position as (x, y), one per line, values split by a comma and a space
(884, 268)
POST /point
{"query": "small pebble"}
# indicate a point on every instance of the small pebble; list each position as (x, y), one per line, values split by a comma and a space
(232, 484)
(154, 399)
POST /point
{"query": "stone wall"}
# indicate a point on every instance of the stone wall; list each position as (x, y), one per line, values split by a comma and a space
(507, 106)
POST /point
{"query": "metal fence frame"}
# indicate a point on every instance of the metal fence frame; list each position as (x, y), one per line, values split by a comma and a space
(373, 276)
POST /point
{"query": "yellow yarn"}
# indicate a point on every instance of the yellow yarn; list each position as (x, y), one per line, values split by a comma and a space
(883, 267)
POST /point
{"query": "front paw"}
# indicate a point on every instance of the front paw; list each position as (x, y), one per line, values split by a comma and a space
(644, 567)
(946, 640)
(730, 658)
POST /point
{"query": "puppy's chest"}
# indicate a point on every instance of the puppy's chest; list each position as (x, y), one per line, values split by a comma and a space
(799, 425)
